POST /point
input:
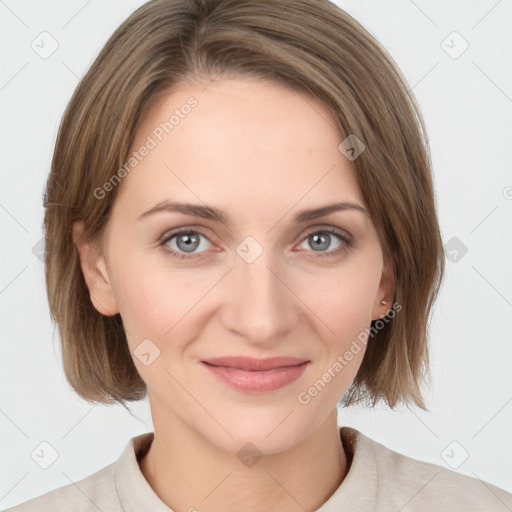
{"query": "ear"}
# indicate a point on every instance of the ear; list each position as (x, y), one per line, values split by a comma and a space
(385, 292)
(95, 273)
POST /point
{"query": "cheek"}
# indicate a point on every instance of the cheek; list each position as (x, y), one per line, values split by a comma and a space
(345, 300)
(151, 298)
(157, 311)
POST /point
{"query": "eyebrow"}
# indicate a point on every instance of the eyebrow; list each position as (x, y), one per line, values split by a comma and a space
(217, 215)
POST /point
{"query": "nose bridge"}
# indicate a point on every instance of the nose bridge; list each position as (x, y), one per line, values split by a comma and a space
(258, 304)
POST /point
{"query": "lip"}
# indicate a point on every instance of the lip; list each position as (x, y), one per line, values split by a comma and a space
(256, 375)
(252, 363)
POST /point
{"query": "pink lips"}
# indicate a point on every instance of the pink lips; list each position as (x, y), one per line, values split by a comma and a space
(256, 375)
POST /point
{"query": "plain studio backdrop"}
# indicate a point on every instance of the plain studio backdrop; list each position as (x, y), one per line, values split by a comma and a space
(457, 59)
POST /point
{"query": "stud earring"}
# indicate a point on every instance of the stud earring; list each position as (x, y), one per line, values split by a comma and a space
(383, 302)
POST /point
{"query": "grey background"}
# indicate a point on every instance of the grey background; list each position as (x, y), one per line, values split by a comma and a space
(466, 101)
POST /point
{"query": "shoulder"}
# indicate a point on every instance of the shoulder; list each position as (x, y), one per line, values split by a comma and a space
(93, 493)
(105, 490)
(414, 485)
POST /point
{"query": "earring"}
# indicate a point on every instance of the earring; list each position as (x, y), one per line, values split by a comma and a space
(383, 302)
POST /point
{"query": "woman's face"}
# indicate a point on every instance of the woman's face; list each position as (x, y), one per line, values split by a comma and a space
(258, 284)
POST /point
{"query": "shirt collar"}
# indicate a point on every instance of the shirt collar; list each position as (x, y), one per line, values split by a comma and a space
(357, 492)
(134, 491)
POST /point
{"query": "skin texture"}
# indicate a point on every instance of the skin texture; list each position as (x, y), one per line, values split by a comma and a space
(261, 153)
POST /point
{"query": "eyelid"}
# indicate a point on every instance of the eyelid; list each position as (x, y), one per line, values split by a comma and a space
(184, 229)
(337, 231)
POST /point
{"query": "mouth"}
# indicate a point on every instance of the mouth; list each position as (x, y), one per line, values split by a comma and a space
(256, 375)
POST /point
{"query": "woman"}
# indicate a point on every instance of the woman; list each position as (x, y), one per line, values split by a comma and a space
(242, 226)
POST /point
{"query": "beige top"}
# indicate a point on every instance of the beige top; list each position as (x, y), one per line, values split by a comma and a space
(379, 480)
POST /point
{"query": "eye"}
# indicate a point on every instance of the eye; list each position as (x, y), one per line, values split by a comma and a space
(322, 239)
(184, 243)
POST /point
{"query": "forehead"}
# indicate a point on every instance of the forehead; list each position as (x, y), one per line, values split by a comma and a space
(239, 141)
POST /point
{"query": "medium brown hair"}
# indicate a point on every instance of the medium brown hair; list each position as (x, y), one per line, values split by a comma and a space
(309, 46)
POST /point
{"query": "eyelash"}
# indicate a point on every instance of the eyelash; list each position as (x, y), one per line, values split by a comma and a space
(347, 241)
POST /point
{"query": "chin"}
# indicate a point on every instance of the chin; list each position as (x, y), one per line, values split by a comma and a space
(270, 432)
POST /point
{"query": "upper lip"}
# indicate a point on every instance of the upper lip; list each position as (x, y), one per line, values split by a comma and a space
(253, 364)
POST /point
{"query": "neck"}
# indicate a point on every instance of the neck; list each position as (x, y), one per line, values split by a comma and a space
(188, 473)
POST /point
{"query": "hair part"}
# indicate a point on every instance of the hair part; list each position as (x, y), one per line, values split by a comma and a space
(309, 46)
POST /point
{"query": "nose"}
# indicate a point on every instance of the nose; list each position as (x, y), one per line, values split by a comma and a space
(259, 303)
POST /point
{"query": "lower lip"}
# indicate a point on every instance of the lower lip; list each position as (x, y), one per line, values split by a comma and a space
(258, 381)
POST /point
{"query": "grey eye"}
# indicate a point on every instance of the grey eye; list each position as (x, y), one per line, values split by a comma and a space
(187, 241)
(321, 240)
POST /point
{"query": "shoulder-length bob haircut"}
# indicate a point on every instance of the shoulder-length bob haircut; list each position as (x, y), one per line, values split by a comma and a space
(310, 46)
